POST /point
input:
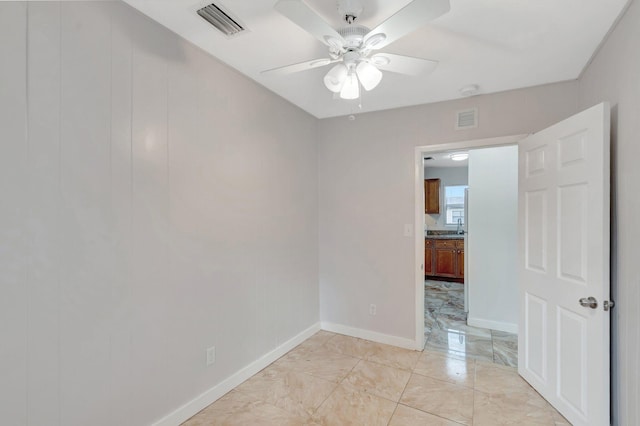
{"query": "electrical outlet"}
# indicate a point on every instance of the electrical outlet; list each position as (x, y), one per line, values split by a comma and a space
(372, 309)
(211, 355)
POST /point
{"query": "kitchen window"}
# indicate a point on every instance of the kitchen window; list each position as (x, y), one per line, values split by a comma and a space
(454, 204)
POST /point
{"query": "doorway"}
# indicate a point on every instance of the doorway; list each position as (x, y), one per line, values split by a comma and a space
(461, 319)
(420, 153)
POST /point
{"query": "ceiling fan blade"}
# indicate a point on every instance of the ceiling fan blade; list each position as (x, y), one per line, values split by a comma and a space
(301, 15)
(406, 20)
(403, 64)
(302, 66)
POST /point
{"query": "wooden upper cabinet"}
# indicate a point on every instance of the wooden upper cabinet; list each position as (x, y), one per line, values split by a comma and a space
(432, 196)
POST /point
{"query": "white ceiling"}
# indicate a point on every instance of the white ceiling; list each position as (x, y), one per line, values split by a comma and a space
(442, 159)
(496, 44)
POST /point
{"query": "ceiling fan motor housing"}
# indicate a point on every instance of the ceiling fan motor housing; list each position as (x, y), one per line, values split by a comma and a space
(353, 35)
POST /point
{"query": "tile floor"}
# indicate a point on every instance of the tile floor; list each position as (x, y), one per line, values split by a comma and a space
(446, 329)
(331, 379)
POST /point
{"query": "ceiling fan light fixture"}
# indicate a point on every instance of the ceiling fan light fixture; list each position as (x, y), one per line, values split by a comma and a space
(374, 40)
(368, 75)
(335, 78)
(351, 87)
(334, 42)
(380, 60)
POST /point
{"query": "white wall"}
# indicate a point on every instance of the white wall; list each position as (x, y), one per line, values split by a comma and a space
(367, 182)
(491, 249)
(448, 176)
(153, 203)
(614, 76)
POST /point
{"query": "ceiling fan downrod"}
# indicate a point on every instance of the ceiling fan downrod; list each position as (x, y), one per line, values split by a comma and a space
(350, 9)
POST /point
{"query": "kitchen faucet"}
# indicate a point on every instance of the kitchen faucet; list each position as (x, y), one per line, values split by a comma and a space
(459, 230)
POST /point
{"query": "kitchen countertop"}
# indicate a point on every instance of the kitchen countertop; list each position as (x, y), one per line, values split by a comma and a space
(444, 237)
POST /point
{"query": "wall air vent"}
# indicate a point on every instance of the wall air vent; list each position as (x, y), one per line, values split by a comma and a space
(221, 20)
(467, 119)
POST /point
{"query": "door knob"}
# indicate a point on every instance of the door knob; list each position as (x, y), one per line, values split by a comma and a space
(589, 302)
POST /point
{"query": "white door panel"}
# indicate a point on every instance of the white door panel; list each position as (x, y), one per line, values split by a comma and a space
(563, 257)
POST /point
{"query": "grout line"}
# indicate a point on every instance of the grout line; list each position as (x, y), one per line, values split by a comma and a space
(337, 385)
(401, 395)
(473, 405)
(432, 414)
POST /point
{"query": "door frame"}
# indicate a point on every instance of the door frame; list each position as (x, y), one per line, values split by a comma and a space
(420, 151)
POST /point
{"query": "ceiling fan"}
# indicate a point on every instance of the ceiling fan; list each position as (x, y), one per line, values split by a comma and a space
(352, 45)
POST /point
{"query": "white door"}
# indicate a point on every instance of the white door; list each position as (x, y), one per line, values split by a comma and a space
(563, 207)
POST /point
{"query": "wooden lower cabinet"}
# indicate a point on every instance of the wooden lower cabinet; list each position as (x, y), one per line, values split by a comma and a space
(444, 258)
(445, 261)
(428, 257)
(460, 264)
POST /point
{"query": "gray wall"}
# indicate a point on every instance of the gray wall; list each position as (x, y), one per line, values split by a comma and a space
(491, 249)
(614, 76)
(448, 176)
(366, 184)
(154, 203)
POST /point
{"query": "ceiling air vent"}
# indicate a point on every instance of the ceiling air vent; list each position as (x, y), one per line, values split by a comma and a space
(467, 119)
(221, 20)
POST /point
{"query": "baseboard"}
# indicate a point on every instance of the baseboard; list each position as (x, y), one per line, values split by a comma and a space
(197, 404)
(371, 335)
(493, 325)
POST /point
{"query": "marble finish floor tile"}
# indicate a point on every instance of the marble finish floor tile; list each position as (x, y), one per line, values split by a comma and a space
(461, 342)
(332, 379)
(452, 313)
(435, 302)
(236, 408)
(504, 336)
(326, 365)
(393, 356)
(377, 379)
(357, 348)
(505, 348)
(460, 355)
(407, 416)
(298, 393)
(494, 379)
(447, 324)
(317, 341)
(444, 314)
(526, 408)
(442, 367)
(430, 322)
(505, 353)
(346, 406)
(452, 402)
